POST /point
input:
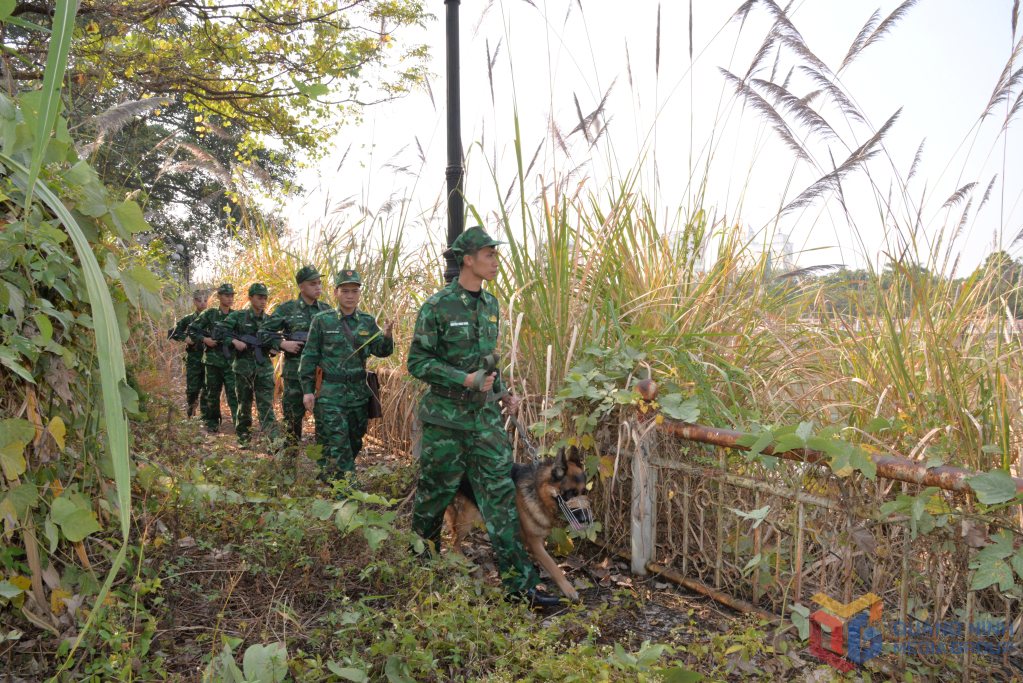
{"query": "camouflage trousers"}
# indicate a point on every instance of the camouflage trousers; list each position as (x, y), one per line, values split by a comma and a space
(218, 379)
(195, 381)
(486, 457)
(292, 410)
(258, 387)
(339, 430)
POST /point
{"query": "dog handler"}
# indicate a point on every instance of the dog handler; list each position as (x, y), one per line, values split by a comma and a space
(339, 342)
(462, 428)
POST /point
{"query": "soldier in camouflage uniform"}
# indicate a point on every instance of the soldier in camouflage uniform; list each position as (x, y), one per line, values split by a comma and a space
(462, 425)
(195, 375)
(254, 380)
(295, 316)
(219, 375)
(339, 342)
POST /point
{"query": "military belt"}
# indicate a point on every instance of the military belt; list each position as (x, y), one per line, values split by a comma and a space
(359, 378)
(466, 395)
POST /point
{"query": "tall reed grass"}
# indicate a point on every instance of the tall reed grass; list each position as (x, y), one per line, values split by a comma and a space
(599, 266)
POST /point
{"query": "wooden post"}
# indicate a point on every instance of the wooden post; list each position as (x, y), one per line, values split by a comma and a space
(644, 502)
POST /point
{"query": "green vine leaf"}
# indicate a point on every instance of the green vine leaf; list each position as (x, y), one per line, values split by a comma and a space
(993, 487)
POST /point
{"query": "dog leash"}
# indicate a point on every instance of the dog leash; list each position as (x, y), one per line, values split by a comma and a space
(534, 455)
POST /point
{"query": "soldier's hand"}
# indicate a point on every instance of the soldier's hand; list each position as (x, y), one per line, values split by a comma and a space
(510, 404)
(208, 342)
(488, 383)
(189, 341)
(291, 346)
(388, 327)
(309, 400)
(240, 345)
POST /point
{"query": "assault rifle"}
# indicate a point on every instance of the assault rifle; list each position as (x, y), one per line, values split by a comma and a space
(197, 333)
(265, 336)
(260, 346)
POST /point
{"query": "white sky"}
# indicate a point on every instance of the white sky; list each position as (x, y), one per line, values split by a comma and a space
(940, 63)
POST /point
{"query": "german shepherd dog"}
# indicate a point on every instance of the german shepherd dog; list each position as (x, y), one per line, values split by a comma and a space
(537, 490)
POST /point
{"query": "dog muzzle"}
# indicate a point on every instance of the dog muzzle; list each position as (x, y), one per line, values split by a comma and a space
(578, 512)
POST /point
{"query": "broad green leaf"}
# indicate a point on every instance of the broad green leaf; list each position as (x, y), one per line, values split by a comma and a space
(801, 618)
(674, 407)
(9, 590)
(990, 572)
(757, 516)
(349, 674)
(392, 669)
(23, 497)
(861, 460)
(146, 278)
(79, 524)
(6, 7)
(993, 487)
(128, 218)
(322, 509)
(131, 288)
(60, 508)
(63, 27)
(788, 442)
(266, 663)
(374, 536)
(804, 430)
(129, 398)
(764, 440)
(1017, 563)
(94, 193)
(344, 516)
(16, 430)
(878, 424)
(45, 327)
(12, 459)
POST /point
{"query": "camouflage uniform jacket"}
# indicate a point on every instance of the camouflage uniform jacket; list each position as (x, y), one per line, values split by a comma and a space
(246, 321)
(329, 348)
(181, 331)
(207, 320)
(454, 331)
(292, 316)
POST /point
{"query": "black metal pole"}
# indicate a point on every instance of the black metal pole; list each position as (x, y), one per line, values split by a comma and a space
(455, 173)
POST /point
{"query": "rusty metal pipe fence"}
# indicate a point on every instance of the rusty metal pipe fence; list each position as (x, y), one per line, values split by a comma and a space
(694, 512)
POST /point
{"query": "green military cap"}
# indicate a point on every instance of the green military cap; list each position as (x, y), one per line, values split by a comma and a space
(306, 273)
(258, 288)
(226, 288)
(345, 277)
(471, 241)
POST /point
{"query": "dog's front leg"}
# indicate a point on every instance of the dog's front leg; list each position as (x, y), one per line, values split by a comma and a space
(536, 548)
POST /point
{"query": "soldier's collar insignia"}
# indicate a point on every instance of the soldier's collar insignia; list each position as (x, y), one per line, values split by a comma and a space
(363, 332)
(493, 319)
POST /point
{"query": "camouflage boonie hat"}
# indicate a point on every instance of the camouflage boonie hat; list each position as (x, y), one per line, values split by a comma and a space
(346, 277)
(306, 273)
(200, 295)
(258, 288)
(471, 241)
(226, 288)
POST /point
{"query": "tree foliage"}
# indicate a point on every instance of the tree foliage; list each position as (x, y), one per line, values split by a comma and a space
(287, 69)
